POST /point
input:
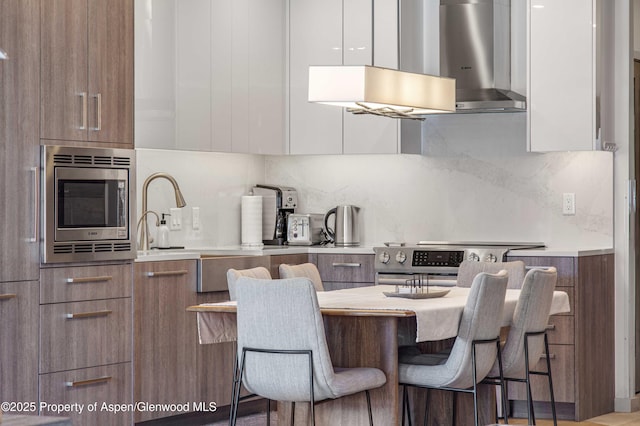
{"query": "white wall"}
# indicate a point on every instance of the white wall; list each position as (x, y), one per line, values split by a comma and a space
(212, 181)
(475, 182)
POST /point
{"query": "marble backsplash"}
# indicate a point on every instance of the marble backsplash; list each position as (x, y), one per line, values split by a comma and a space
(475, 181)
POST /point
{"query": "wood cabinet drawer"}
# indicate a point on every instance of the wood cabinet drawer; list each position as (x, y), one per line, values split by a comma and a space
(212, 273)
(340, 285)
(109, 384)
(561, 330)
(289, 259)
(357, 268)
(566, 267)
(563, 375)
(85, 283)
(84, 334)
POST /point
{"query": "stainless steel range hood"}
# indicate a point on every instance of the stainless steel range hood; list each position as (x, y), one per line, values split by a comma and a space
(475, 49)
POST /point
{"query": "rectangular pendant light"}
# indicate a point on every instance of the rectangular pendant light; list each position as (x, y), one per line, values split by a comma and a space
(381, 91)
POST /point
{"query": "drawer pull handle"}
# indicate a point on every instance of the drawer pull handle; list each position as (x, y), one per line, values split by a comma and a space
(8, 296)
(88, 382)
(346, 265)
(551, 356)
(551, 327)
(89, 314)
(89, 279)
(167, 273)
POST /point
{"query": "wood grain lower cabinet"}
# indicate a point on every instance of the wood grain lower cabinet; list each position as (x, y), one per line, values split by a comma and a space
(171, 367)
(99, 395)
(581, 341)
(288, 259)
(86, 342)
(19, 342)
(340, 271)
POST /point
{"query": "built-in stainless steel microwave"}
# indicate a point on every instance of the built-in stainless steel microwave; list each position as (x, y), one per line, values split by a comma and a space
(87, 204)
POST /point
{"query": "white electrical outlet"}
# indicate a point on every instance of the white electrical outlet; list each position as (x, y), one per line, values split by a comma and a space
(568, 203)
(195, 218)
(175, 224)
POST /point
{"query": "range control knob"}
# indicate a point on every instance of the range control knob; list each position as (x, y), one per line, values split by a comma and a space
(384, 257)
(473, 257)
(401, 257)
(491, 258)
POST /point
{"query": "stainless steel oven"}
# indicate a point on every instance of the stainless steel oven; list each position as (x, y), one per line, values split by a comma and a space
(437, 261)
(87, 204)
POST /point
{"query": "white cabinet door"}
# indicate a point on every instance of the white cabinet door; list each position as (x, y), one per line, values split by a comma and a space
(227, 91)
(370, 41)
(339, 33)
(315, 38)
(561, 113)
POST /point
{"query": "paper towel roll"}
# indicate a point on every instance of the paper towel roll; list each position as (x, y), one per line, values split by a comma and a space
(251, 221)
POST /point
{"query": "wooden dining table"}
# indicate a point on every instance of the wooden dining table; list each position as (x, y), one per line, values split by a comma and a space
(361, 326)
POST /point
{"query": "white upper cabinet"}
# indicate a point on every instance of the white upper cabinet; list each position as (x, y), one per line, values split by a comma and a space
(210, 75)
(353, 32)
(315, 38)
(568, 74)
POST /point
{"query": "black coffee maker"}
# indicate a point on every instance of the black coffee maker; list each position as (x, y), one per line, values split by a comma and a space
(278, 202)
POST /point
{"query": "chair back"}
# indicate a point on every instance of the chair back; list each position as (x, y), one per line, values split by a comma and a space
(282, 315)
(308, 270)
(468, 270)
(481, 320)
(259, 272)
(531, 315)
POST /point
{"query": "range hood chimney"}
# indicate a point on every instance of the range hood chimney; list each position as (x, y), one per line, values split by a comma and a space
(475, 49)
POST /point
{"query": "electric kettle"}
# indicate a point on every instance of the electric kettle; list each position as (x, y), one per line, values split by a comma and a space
(347, 226)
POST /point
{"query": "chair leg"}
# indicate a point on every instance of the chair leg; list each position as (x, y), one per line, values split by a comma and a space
(268, 412)
(236, 399)
(530, 413)
(369, 407)
(552, 398)
(475, 384)
(293, 413)
(503, 392)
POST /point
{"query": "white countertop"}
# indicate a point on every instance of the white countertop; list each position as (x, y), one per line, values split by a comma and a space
(562, 252)
(155, 255)
(196, 252)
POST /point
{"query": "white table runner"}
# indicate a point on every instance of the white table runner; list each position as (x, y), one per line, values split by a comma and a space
(436, 318)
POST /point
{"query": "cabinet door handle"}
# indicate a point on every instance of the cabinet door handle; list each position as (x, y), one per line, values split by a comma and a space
(551, 356)
(80, 280)
(83, 119)
(167, 273)
(36, 203)
(98, 98)
(346, 265)
(97, 380)
(93, 314)
(551, 327)
(8, 296)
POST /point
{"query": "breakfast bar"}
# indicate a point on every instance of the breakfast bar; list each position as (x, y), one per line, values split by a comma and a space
(362, 330)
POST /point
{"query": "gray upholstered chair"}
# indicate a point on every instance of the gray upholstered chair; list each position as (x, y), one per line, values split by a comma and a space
(468, 270)
(308, 270)
(475, 350)
(527, 338)
(283, 350)
(259, 272)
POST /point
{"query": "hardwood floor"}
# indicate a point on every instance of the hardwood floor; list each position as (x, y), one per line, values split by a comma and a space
(612, 419)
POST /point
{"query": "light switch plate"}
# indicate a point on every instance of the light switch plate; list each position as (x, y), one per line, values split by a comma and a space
(175, 222)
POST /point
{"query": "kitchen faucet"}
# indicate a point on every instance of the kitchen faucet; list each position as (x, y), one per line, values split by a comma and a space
(144, 233)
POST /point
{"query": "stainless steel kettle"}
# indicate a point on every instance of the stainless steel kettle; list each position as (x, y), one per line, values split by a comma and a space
(347, 226)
